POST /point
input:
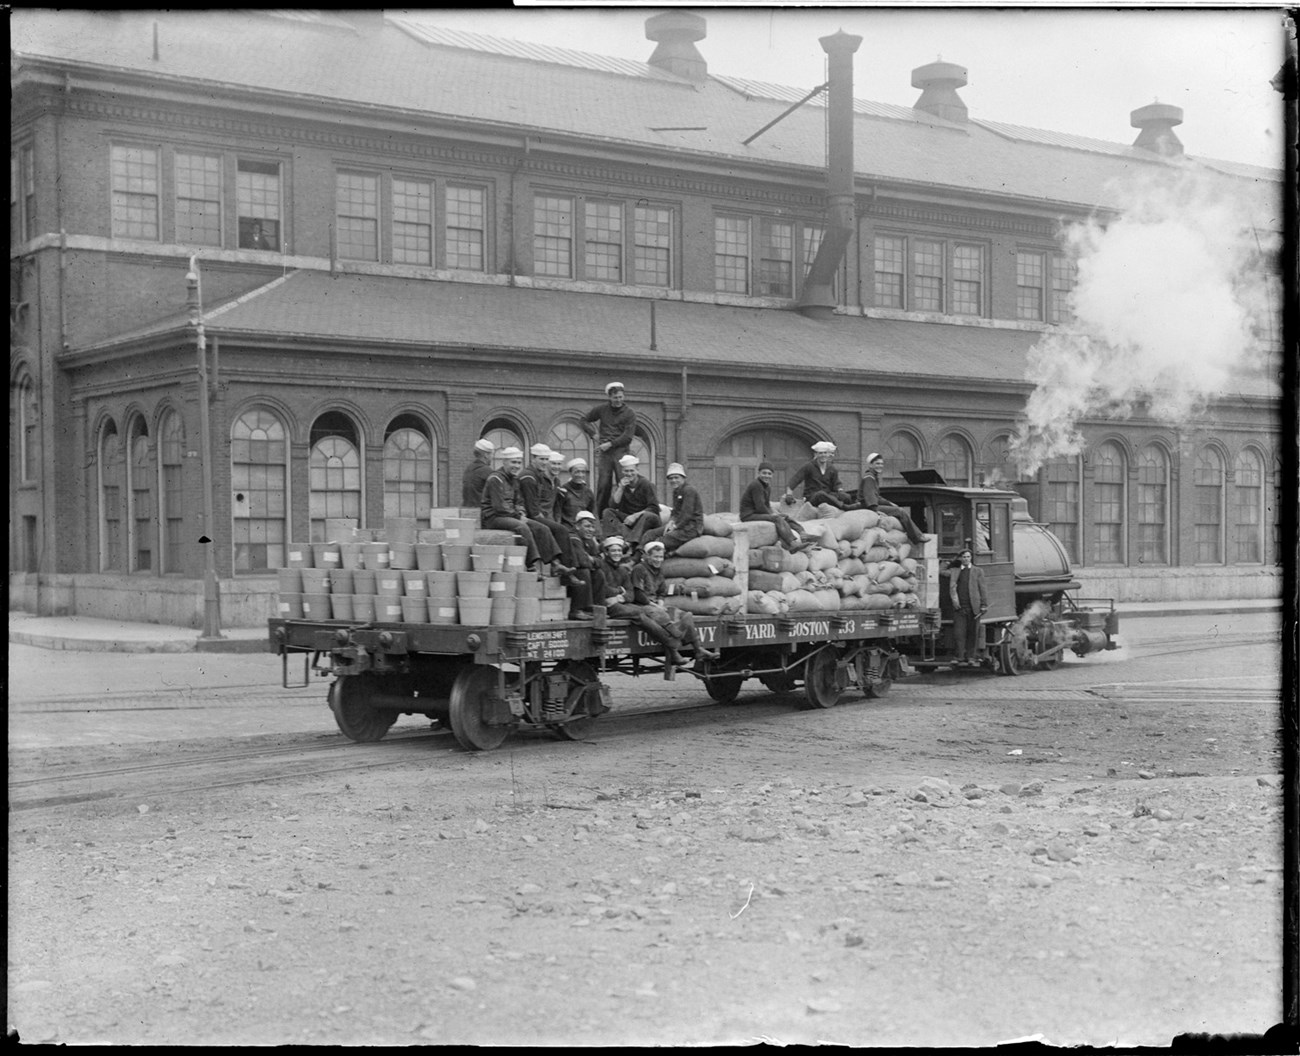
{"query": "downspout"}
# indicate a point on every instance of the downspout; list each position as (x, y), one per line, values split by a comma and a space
(818, 300)
(681, 419)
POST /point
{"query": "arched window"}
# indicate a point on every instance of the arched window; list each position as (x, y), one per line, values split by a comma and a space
(504, 433)
(140, 473)
(111, 471)
(902, 451)
(1152, 506)
(567, 437)
(952, 458)
(1109, 477)
(408, 468)
(1207, 487)
(29, 414)
(333, 472)
(259, 474)
(1061, 501)
(1248, 508)
(171, 455)
(1000, 469)
(737, 459)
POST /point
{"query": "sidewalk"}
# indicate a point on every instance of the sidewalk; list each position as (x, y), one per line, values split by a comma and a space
(86, 634)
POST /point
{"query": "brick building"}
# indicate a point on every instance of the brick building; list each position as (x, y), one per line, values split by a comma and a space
(402, 238)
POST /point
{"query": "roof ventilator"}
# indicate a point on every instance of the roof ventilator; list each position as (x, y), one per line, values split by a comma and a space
(1157, 120)
(676, 33)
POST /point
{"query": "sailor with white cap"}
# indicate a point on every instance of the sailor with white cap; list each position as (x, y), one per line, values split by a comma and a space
(820, 480)
(612, 425)
(502, 508)
(633, 505)
(476, 473)
(869, 498)
(576, 495)
(687, 519)
(538, 491)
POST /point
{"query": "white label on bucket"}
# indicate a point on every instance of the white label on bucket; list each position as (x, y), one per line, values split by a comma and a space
(284, 606)
(414, 586)
(498, 586)
(446, 613)
(392, 610)
(295, 555)
(452, 533)
(389, 584)
(331, 558)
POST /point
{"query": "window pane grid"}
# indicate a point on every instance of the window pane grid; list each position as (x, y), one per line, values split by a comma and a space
(927, 271)
(258, 453)
(967, 280)
(1064, 275)
(135, 192)
(357, 197)
(412, 222)
(1247, 509)
(408, 474)
(776, 265)
(603, 249)
(652, 243)
(891, 253)
(731, 254)
(465, 223)
(1029, 286)
(198, 199)
(553, 236)
(257, 203)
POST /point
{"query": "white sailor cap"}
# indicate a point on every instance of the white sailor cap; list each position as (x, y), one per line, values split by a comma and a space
(873, 456)
(675, 470)
(538, 450)
(614, 540)
(628, 461)
(612, 386)
(576, 463)
(484, 445)
(510, 452)
(584, 515)
(654, 544)
(557, 458)
(824, 447)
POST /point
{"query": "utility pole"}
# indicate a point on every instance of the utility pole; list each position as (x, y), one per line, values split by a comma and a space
(211, 595)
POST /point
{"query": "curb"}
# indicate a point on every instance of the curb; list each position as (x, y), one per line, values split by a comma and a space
(1209, 609)
(117, 645)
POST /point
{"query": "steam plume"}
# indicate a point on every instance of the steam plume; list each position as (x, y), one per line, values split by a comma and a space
(1173, 301)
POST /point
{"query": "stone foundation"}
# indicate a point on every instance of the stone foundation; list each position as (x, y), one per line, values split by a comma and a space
(1253, 582)
(176, 602)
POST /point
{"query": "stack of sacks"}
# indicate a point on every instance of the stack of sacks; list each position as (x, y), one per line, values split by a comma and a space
(863, 562)
(700, 576)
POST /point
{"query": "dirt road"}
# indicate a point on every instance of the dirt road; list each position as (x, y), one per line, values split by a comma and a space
(1092, 854)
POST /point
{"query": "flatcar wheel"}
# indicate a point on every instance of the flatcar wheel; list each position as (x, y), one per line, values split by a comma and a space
(823, 681)
(582, 681)
(725, 688)
(357, 718)
(470, 695)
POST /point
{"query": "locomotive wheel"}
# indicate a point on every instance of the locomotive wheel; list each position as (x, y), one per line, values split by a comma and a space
(823, 681)
(357, 718)
(469, 703)
(721, 690)
(1013, 653)
(582, 680)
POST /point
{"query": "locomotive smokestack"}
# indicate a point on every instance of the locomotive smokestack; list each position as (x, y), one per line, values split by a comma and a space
(818, 293)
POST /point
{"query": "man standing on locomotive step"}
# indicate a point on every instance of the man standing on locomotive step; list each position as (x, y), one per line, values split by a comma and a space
(869, 498)
(502, 509)
(476, 474)
(820, 480)
(612, 425)
(970, 601)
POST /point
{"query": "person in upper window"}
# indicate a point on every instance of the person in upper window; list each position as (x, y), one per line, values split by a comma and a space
(869, 498)
(476, 473)
(258, 239)
(820, 479)
(613, 426)
(687, 519)
(633, 505)
(756, 505)
(970, 601)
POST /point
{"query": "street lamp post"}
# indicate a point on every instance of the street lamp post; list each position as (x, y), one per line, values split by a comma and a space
(211, 595)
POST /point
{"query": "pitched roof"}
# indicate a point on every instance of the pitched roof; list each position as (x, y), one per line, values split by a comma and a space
(409, 67)
(417, 314)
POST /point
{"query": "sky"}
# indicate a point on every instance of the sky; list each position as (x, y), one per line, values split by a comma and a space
(1067, 70)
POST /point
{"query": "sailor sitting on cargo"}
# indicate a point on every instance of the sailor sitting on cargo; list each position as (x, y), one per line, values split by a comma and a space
(633, 505)
(502, 509)
(620, 600)
(650, 590)
(538, 492)
(869, 498)
(756, 505)
(576, 496)
(687, 519)
(586, 582)
(820, 480)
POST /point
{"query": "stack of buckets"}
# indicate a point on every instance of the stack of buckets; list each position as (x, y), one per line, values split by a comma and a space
(403, 574)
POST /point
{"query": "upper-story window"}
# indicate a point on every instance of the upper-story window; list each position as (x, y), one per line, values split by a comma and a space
(257, 203)
(930, 275)
(1043, 285)
(198, 198)
(22, 194)
(412, 221)
(785, 252)
(357, 202)
(135, 192)
(465, 225)
(591, 238)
